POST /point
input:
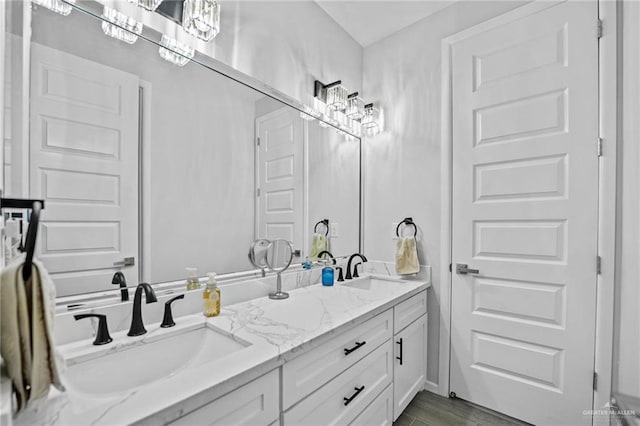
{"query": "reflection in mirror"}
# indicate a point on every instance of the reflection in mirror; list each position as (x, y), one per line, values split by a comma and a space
(148, 168)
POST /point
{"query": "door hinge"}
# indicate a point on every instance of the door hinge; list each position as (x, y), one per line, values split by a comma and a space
(595, 381)
(599, 28)
(258, 141)
(599, 147)
(450, 267)
(258, 192)
(598, 265)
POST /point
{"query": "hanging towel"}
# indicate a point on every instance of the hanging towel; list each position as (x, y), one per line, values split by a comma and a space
(26, 332)
(407, 256)
(318, 245)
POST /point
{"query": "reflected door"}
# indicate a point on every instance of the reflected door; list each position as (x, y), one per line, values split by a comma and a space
(84, 164)
(279, 193)
(525, 185)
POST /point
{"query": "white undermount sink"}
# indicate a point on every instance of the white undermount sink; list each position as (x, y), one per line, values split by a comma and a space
(372, 283)
(119, 369)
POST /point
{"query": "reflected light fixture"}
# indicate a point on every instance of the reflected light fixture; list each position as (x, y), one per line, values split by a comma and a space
(120, 26)
(57, 6)
(150, 5)
(201, 18)
(174, 51)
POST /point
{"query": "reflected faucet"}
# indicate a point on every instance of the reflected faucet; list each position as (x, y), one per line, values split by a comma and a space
(323, 252)
(118, 278)
(348, 276)
(137, 327)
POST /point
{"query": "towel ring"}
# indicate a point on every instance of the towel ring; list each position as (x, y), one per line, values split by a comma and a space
(407, 221)
(324, 222)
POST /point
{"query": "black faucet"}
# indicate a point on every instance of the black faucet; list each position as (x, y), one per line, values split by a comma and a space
(323, 252)
(167, 320)
(137, 327)
(348, 276)
(118, 278)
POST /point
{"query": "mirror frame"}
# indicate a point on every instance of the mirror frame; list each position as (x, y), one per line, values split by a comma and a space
(111, 296)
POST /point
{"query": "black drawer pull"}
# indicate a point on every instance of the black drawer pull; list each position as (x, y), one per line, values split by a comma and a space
(357, 346)
(400, 357)
(352, 397)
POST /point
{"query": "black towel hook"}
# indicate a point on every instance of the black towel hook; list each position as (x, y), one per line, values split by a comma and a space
(407, 221)
(324, 222)
(32, 231)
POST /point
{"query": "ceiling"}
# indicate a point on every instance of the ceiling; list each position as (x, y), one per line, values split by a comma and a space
(368, 21)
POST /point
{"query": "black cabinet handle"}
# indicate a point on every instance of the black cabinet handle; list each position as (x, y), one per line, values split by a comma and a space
(356, 347)
(400, 357)
(347, 401)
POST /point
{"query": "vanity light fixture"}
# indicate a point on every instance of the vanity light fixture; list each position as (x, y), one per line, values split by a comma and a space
(201, 18)
(174, 51)
(370, 119)
(57, 6)
(355, 106)
(120, 26)
(150, 5)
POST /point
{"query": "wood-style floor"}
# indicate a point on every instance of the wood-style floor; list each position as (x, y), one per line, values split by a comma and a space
(429, 409)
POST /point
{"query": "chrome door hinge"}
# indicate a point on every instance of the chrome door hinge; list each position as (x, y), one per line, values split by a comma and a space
(258, 141)
(258, 192)
(450, 267)
(598, 265)
(595, 381)
(599, 28)
(599, 147)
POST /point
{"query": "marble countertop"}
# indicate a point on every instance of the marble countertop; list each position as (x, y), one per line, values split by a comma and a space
(275, 331)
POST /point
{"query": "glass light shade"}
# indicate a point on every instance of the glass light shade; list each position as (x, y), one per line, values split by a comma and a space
(370, 118)
(355, 108)
(201, 18)
(174, 51)
(120, 26)
(58, 6)
(337, 97)
(319, 106)
(356, 127)
(149, 5)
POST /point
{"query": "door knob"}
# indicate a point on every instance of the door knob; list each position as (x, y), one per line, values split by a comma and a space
(463, 269)
(127, 261)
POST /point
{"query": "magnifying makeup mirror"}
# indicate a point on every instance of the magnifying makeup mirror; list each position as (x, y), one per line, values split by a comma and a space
(279, 257)
(258, 254)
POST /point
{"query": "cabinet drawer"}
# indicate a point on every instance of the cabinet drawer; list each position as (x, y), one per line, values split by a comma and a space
(379, 412)
(409, 310)
(304, 374)
(327, 406)
(255, 403)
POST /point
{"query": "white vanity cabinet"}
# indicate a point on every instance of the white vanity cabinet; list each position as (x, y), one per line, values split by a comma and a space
(410, 349)
(256, 403)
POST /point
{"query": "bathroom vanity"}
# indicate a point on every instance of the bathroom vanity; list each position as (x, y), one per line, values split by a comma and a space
(348, 354)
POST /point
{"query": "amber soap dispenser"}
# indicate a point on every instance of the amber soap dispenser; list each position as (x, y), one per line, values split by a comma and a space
(211, 297)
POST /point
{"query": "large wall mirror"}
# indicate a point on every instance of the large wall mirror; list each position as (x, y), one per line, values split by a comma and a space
(148, 168)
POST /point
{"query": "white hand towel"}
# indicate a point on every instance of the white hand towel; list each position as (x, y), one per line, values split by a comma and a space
(407, 256)
(26, 332)
(318, 245)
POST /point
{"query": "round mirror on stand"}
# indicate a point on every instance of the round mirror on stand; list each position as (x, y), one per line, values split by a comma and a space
(258, 254)
(279, 257)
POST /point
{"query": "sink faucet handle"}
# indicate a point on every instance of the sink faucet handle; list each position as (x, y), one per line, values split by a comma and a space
(167, 321)
(340, 276)
(102, 335)
(355, 270)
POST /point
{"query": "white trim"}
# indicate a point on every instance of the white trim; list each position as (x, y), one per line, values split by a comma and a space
(607, 207)
(145, 184)
(26, 100)
(3, 8)
(431, 387)
(608, 91)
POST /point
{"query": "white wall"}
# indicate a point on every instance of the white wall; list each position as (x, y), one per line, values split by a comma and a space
(626, 369)
(402, 164)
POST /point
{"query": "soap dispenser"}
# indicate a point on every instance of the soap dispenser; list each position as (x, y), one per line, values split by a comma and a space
(192, 279)
(211, 297)
(327, 274)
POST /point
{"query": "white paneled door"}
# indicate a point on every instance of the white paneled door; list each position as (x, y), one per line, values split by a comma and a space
(280, 176)
(525, 185)
(84, 164)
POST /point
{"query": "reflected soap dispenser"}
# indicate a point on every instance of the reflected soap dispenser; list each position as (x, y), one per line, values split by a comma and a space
(192, 279)
(211, 297)
(327, 274)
